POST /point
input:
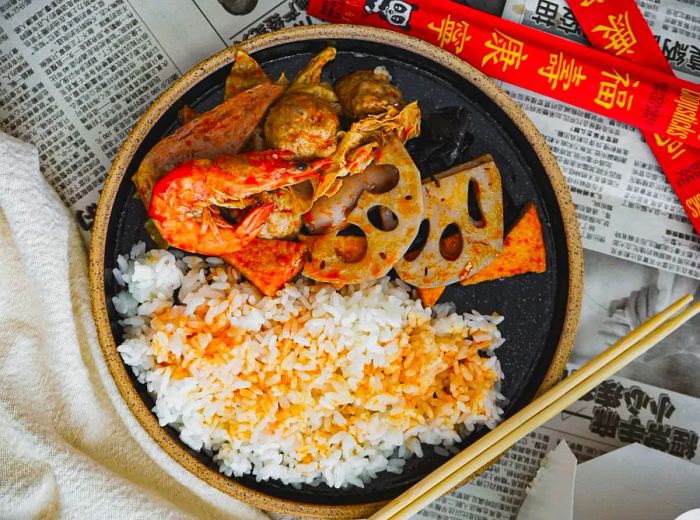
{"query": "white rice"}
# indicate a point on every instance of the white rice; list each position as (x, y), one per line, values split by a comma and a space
(350, 377)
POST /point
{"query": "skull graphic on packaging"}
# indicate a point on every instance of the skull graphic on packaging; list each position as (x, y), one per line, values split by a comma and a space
(396, 12)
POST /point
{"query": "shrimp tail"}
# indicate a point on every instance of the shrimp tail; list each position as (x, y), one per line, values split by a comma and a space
(254, 221)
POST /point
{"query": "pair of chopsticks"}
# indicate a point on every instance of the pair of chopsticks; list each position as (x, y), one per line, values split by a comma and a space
(539, 411)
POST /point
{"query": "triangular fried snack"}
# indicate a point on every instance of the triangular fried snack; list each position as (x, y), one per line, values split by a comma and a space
(268, 264)
(430, 295)
(523, 251)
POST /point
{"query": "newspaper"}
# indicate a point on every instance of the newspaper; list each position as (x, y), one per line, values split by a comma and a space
(75, 75)
(624, 204)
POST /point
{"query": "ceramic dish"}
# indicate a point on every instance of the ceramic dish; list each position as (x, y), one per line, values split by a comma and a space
(541, 309)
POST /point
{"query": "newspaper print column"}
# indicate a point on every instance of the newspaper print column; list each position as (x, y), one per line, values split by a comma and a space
(26, 104)
(83, 71)
(268, 16)
(499, 491)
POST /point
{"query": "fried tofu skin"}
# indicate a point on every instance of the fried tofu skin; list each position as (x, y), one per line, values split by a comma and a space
(269, 264)
(245, 74)
(356, 148)
(523, 251)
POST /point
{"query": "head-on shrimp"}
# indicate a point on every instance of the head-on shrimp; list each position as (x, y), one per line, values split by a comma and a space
(186, 203)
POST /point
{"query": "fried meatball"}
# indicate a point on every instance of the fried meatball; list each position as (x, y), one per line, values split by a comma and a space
(290, 203)
(282, 223)
(303, 124)
(365, 92)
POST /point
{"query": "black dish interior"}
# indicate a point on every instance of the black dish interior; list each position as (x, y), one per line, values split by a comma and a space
(459, 122)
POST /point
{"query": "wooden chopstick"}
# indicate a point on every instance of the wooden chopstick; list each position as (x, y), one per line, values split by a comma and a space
(538, 412)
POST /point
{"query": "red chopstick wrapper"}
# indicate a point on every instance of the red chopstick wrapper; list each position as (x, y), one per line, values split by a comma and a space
(638, 93)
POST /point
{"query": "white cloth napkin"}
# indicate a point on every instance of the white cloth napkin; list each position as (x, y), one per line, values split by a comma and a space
(69, 447)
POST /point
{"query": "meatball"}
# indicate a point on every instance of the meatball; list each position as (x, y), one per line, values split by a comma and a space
(290, 203)
(304, 124)
(282, 223)
(365, 92)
